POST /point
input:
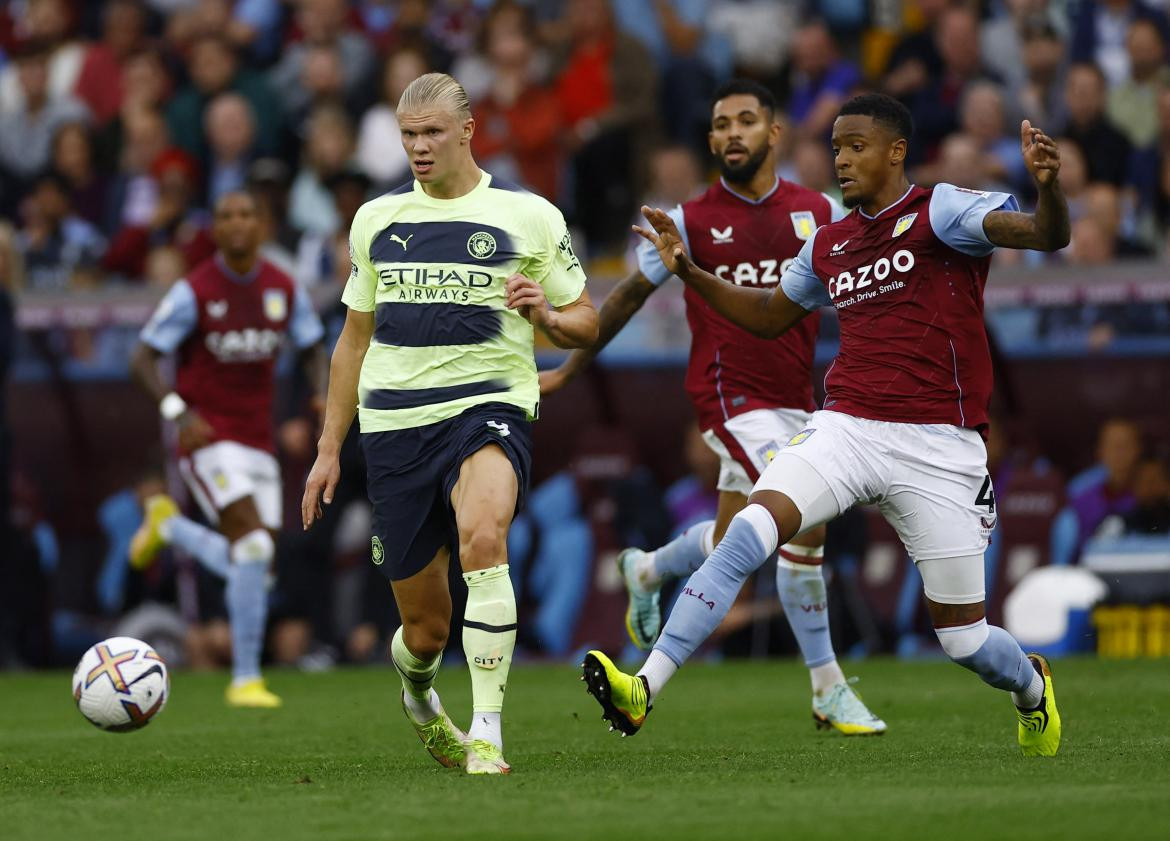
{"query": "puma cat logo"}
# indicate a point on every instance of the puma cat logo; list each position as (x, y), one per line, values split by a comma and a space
(400, 240)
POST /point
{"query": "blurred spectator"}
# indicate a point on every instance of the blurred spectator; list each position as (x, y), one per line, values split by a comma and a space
(821, 81)
(26, 131)
(1106, 149)
(231, 136)
(1002, 38)
(268, 181)
(812, 166)
(915, 59)
(100, 83)
(146, 85)
(691, 59)
(1090, 244)
(518, 121)
(54, 242)
(328, 149)
(214, 68)
(1106, 205)
(605, 94)
(74, 157)
(177, 220)
(1151, 493)
(164, 265)
(47, 28)
(1039, 96)
(1099, 34)
(935, 107)
(323, 24)
(323, 259)
(1105, 489)
(252, 26)
(982, 117)
(1074, 175)
(675, 177)
(1161, 179)
(134, 191)
(11, 282)
(395, 25)
(1133, 103)
(379, 146)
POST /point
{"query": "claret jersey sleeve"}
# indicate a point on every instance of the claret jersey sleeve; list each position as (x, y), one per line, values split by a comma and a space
(800, 282)
(956, 216)
(649, 263)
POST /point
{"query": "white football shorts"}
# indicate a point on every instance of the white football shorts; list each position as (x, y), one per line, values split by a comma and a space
(227, 471)
(747, 443)
(930, 481)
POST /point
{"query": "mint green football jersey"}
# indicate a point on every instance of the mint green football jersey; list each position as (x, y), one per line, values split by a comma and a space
(433, 272)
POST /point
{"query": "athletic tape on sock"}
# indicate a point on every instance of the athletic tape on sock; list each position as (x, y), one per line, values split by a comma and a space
(417, 675)
(255, 547)
(489, 635)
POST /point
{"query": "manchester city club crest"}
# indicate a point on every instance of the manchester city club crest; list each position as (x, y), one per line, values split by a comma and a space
(275, 304)
(481, 245)
(377, 553)
(803, 223)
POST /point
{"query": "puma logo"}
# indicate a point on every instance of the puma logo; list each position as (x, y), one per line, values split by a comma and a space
(400, 240)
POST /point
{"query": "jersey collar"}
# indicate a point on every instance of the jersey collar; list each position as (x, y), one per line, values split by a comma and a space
(744, 198)
(884, 209)
(238, 278)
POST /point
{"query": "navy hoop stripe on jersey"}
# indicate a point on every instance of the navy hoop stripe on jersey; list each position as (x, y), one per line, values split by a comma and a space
(442, 242)
(434, 324)
(412, 398)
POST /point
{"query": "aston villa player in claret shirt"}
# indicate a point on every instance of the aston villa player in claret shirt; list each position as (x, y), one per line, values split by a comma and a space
(750, 393)
(226, 323)
(906, 404)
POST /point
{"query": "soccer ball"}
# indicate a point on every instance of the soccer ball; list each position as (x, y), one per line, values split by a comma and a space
(121, 684)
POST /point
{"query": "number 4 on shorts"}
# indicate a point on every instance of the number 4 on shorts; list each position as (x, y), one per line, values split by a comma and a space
(986, 495)
(501, 428)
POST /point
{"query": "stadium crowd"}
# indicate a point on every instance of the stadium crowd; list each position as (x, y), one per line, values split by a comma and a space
(121, 122)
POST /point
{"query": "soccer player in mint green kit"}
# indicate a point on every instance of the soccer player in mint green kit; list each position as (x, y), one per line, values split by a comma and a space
(451, 274)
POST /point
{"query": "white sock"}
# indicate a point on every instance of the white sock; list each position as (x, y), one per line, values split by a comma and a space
(423, 710)
(485, 725)
(1030, 698)
(645, 574)
(825, 677)
(658, 669)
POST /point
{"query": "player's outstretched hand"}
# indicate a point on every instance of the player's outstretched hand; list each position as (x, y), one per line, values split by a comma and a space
(194, 431)
(320, 485)
(666, 240)
(1040, 154)
(527, 297)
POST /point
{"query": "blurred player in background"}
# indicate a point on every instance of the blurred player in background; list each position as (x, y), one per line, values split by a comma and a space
(906, 407)
(451, 272)
(226, 324)
(750, 394)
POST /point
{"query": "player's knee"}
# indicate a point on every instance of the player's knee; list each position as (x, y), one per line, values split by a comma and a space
(425, 638)
(255, 547)
(963, 644)
(484, 545)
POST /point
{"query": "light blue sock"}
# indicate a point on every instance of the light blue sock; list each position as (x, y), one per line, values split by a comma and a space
(247, 601)
(1003, 664)
(802, 592)
(207, 546)
(685, 553)
(711, 591)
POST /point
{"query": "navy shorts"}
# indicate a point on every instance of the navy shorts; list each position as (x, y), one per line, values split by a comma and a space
(410, 474)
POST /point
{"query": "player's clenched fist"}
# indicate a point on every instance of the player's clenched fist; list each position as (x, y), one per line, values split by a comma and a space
(527, 297)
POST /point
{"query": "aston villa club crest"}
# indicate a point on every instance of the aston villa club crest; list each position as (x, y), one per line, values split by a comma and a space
(275, 305)
(803, 223)
(903, 224)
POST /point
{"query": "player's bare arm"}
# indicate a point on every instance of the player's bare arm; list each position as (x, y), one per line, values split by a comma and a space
(571, 326)
(194, 431)
(1048, 228)
(340, 407)
(761, 312)
(616, 311)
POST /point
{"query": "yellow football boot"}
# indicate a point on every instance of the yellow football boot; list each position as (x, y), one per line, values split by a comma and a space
(624, 699)
(1039, 729)
(148, 540)
(253, 693)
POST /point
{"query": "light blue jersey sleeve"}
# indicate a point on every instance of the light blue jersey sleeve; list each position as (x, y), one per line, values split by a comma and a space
(837, 211)
(649, 263)
(956, 216)
(800, 283)
(304, 327)
(173, 320)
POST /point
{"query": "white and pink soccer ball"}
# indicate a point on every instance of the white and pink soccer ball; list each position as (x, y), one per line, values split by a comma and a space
(121, 684)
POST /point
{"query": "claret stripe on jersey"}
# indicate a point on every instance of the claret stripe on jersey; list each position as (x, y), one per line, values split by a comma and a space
(435, 324)
(442, 242)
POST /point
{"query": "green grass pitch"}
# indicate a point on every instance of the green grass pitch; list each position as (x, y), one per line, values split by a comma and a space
(730, 753)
